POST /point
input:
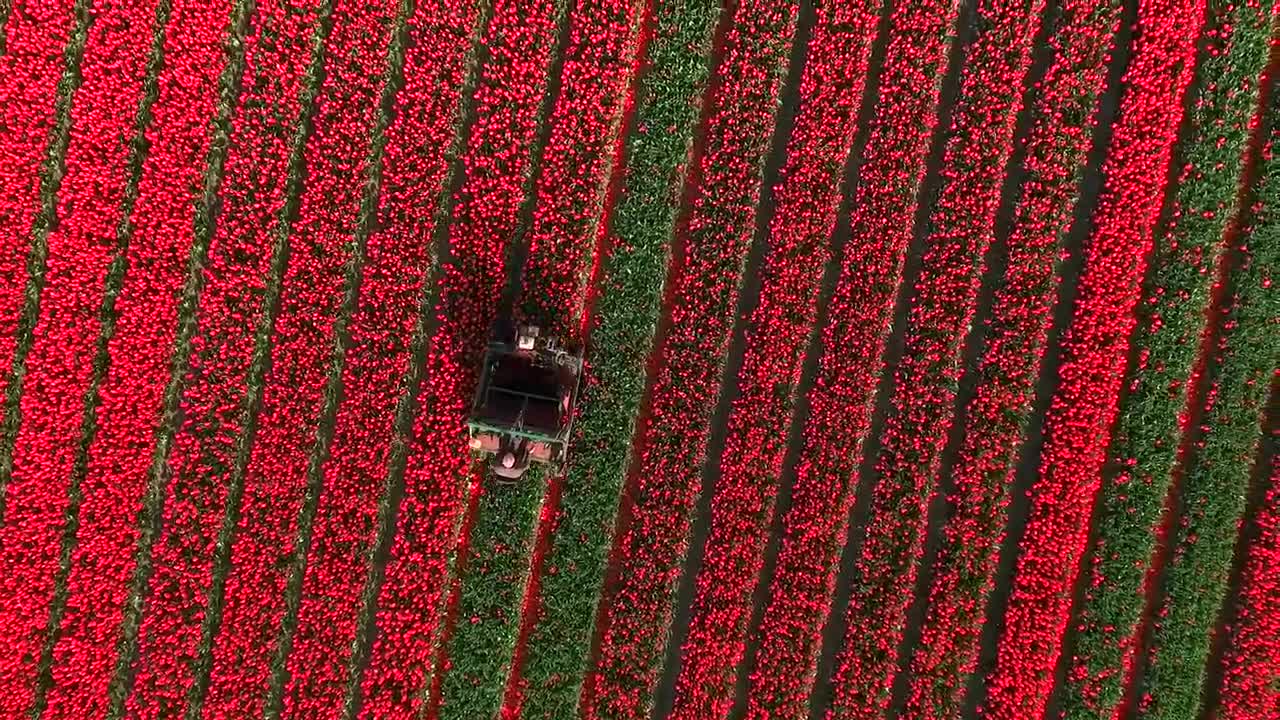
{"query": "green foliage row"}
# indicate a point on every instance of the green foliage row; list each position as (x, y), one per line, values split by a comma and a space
(492, 591)
(1172, 318)
(667, 105)
(1217, 478)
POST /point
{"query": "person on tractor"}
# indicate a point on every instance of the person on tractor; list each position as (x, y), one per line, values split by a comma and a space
(513, 458)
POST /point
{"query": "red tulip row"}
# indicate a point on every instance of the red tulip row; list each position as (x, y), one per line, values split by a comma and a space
(29, 78)
(706, 273)
(1253, 660)
(577, 161)
(1083, 407)
(302, 340)
(139, 356)
(234, 277)
(520, 39)
(60, 367)
(996, 415)
(943, 299)
(807, 197)
(1161, 387)
(852, 341)
(399, 259)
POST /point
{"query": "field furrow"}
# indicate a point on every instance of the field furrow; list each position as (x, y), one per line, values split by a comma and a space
(31, 71)
(271, 536)
(633, 235)
(1171, 320)
(139, 356)
(1084, 404)
(942, 302)
(798, 248)
(577, 161)
(706, 273)
(994, 420)
(41, 492)
(1242, 370)
(233, 278)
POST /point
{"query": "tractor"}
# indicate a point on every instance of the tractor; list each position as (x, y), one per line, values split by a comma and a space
(523, 408)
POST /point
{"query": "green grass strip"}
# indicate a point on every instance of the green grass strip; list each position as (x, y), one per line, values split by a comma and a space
(1217, 478)
(493, 584)
(1172, 317)
(666, 110)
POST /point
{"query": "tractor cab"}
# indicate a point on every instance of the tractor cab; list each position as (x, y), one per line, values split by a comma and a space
(523, 407)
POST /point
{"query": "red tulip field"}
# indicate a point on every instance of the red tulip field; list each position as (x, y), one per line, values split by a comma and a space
(640, 359)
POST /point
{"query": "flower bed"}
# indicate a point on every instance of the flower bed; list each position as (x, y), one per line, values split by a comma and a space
(852, 340)
(60, 371)
(520, 40)
(1252, 662)
(32, 78)
(139, 357)
(398, 262)
(235, 273)
(482, 643)
(577, 161)
(437, 77)
(254, 634)
(706, 273)
(941, 307)
(1170, 322)
(1083, 407)
(634, 234)
(995, 418)
(799, 239)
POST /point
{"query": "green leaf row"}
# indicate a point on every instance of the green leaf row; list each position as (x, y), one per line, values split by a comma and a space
(1218, 473)
(1178, 290)
(666, 108)
(492, 592)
